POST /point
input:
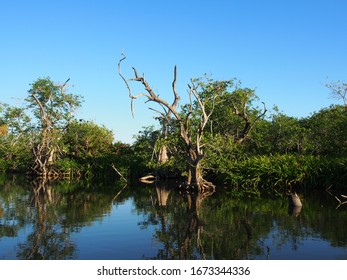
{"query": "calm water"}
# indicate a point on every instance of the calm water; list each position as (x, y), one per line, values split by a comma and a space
(109, 221)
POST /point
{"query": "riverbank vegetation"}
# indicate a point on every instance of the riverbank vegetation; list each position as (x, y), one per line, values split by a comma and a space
(225, 135)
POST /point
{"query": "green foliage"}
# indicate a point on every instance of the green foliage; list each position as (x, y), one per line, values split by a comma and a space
(15, 140)
(15, 118)
(124, 160)
(145, 142)
(235, 112)
(57, 104)
(277, 173)
(89, 149)
(327, 131)
(281, 134)
(85, 140)
(68, 166)
(15, 154)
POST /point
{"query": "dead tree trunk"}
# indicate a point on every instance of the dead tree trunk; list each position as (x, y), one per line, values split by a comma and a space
(194, 171)
(162, 155)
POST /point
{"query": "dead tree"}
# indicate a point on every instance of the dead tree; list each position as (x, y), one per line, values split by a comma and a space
(192, 141)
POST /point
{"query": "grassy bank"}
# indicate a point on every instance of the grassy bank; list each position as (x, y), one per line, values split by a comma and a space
(282, 172)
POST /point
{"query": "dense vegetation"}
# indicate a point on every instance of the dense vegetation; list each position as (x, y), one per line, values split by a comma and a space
(243, 147)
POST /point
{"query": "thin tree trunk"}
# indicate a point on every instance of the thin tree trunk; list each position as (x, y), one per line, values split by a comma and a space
(195, 175)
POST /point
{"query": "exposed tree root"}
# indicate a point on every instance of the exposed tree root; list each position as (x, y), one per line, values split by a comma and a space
(203, 187)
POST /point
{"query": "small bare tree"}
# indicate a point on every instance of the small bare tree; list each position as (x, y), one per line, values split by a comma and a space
(192, 140)
(338, 91)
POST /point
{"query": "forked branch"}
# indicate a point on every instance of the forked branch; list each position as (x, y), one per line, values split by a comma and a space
(340, 200)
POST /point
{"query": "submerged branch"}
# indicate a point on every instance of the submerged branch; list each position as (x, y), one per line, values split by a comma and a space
(116, 196)
(341, 202)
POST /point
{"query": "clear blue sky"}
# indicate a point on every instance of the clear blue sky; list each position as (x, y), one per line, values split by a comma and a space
(287, 50)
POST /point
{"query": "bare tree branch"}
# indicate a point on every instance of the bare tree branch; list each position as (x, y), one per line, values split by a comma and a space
(44, 117)
(132, 97)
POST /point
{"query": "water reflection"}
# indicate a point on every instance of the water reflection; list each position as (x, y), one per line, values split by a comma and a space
(194, 225)
(47, 239)
(41, 220)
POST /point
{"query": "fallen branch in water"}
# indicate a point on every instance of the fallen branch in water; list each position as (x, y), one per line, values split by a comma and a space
(149, 179)
(120, 174)
(341, 202)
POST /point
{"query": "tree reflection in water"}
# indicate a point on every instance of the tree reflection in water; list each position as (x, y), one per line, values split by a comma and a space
(194, 225)
(48, 240)
(46, 220)
(216, 226)
(46, 214)
(185, 232)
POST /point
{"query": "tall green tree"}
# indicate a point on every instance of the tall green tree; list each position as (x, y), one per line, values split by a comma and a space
(53, 108)
(236, 113)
